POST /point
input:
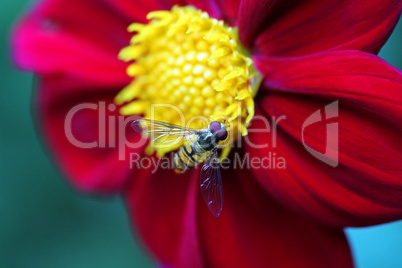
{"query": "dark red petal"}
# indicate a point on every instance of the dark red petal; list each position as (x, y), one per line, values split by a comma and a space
(365, 187)
(252, 16)
(230, 10)
(162, 206)
(102, 167)
(78, 38)
(137, 10)
(339, 25)
(357, 78)
(210, 6)
(219, 9)
(253, 230)
(295, 28)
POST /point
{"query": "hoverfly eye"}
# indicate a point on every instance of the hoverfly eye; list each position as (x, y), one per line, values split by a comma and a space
(215, 126)
(222, 134)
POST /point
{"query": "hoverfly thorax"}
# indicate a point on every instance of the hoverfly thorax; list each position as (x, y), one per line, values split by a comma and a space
(210, 139)
(207, 141)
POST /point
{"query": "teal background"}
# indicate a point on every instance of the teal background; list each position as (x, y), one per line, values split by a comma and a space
(45, 223)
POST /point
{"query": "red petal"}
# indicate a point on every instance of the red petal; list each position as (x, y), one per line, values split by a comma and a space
(210, 6)
(295, 28)
(253, 230)
(160, 204)
(252, 16)
(358, 78)
(137, 10)
(102, 167)
(219, 9)
(230, 10)
(78, 38)
(365, 188)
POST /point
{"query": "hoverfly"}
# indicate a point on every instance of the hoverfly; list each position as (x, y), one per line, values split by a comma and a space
(202, 147)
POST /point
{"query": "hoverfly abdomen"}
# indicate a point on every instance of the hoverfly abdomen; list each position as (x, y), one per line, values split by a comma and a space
(190, 155)
(187, 157)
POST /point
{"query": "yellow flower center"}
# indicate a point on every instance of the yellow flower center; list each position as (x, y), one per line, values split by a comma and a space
(187, 65)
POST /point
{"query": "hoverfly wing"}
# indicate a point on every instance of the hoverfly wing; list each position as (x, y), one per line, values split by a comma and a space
(160, 132)
(211, 184)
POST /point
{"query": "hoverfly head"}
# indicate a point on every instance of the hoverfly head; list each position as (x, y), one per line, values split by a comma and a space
(219, 130)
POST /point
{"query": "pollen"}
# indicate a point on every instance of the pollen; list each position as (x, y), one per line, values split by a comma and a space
(187, 66)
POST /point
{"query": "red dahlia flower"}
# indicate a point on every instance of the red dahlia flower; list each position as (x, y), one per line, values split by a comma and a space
(309, 53)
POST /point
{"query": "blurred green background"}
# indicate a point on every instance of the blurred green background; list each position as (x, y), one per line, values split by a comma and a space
(44, 223)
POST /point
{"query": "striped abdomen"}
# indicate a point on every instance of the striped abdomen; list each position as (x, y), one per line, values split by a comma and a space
(188, 156)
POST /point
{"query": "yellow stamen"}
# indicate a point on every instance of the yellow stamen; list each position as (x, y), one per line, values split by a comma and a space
(189, 65)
